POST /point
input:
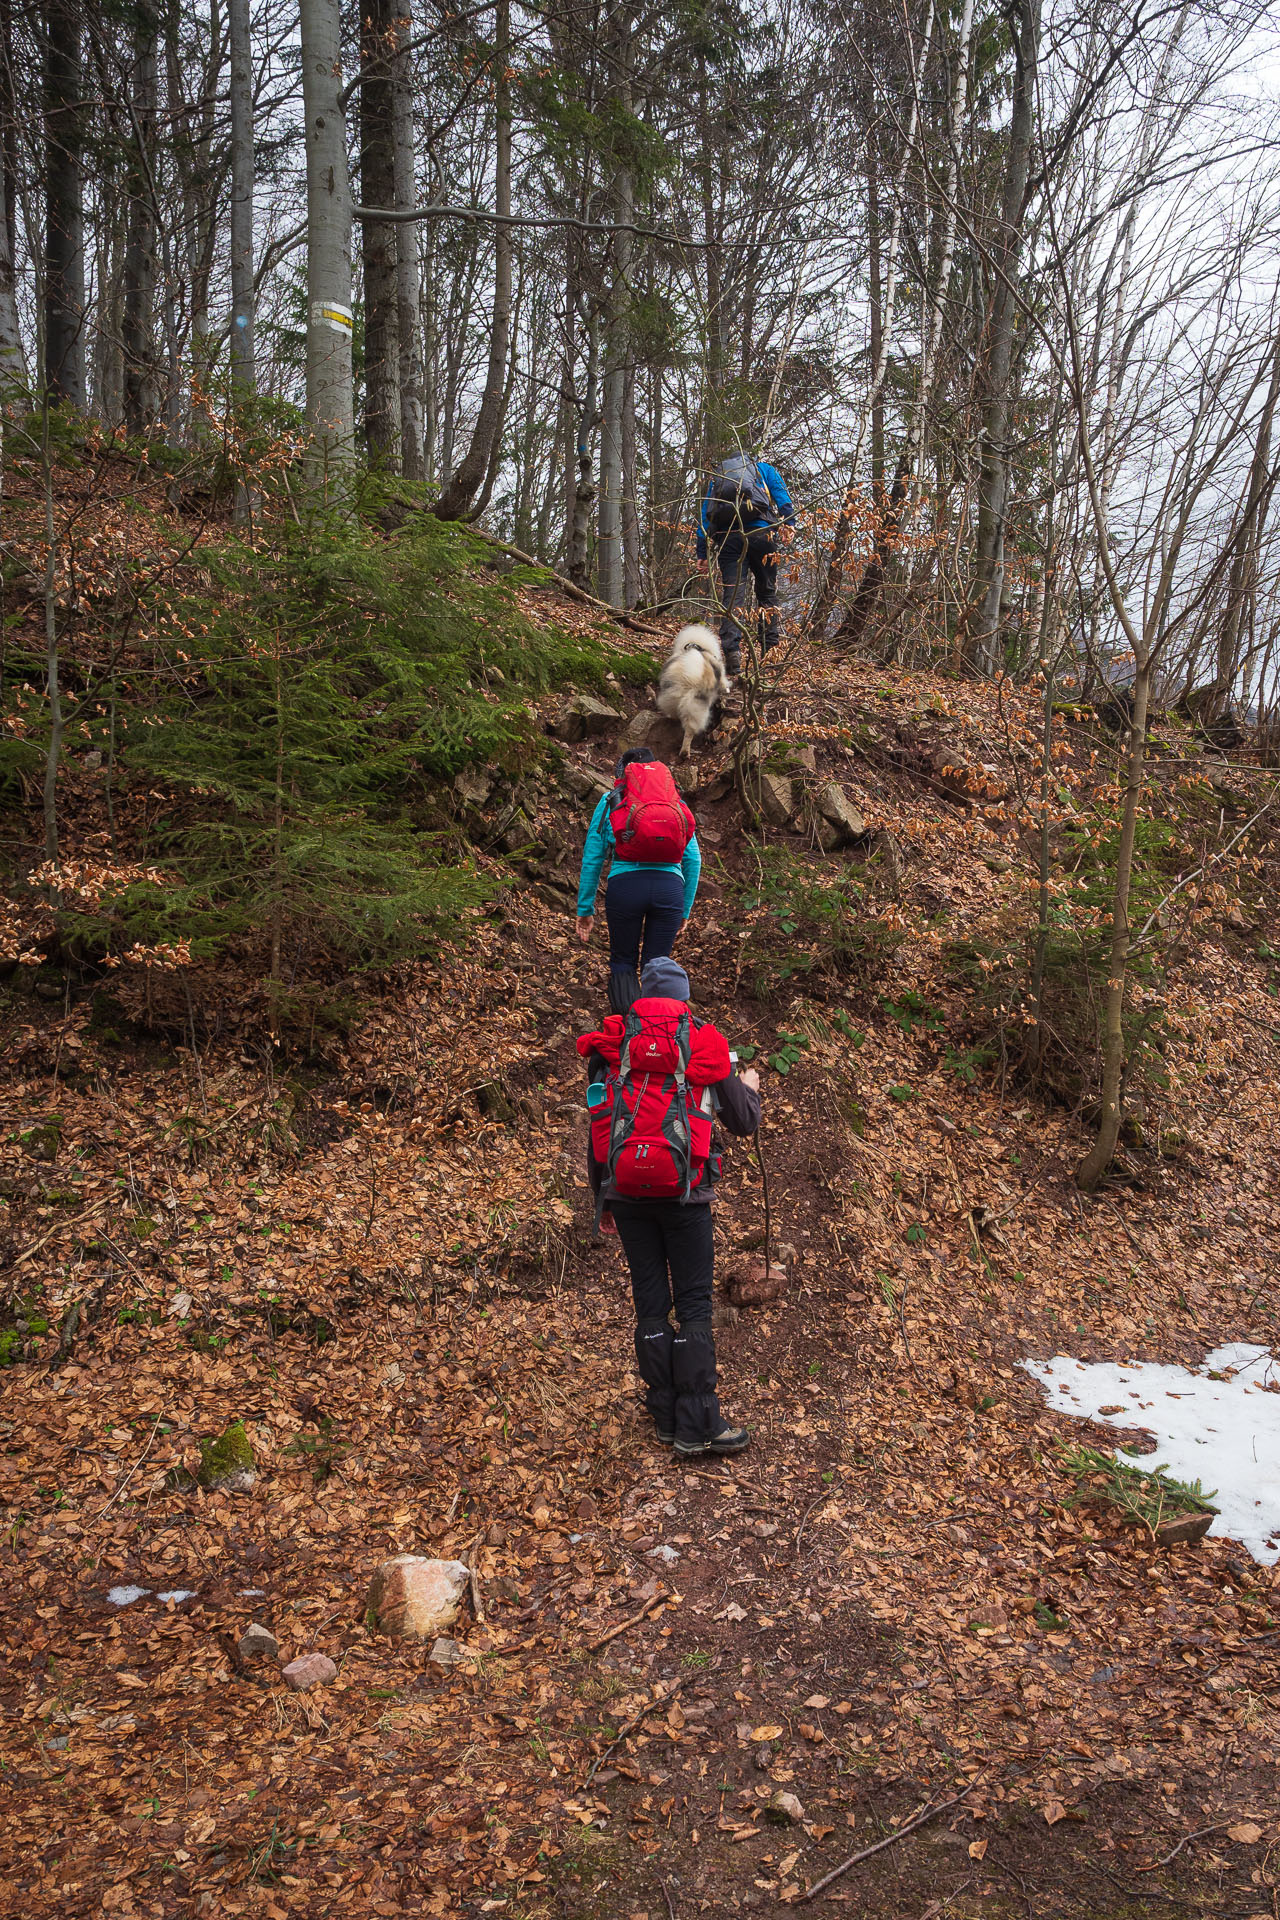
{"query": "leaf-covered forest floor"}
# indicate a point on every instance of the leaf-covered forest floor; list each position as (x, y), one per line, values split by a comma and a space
(380, 1259)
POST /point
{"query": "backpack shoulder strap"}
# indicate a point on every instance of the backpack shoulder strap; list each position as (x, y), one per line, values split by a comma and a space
(632, 1026)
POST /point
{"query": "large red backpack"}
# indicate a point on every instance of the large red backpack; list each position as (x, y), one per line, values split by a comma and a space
(652, 1130)
(651, 823)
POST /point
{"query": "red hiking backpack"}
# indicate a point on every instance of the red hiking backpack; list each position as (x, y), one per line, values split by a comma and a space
(651, 823)
(652, 1130)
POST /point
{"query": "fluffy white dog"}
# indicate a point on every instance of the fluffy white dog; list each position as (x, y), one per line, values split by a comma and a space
(693, 683)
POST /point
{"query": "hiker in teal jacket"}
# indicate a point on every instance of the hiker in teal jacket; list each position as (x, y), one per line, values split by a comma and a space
(645, 906)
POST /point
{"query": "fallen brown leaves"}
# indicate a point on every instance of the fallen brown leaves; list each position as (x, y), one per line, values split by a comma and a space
(388, 1278)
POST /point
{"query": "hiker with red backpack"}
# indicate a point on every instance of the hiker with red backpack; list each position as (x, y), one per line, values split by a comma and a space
(745, 511)
(649, 832)
(656, 1078)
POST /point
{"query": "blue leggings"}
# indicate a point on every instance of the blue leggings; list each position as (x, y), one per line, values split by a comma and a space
(644, 911)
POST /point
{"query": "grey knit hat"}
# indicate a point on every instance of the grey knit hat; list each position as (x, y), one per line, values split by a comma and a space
(665, 979)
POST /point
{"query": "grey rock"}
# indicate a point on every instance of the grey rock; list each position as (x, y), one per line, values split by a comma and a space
(839, 812)
(584, 718)
(447, 1652)
(258, 1643)
(474, 786)
(784, 1810)
(777, 798)
(584, 782)
(641, 724)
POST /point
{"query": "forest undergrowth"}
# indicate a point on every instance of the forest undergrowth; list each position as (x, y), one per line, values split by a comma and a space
(356, 1221)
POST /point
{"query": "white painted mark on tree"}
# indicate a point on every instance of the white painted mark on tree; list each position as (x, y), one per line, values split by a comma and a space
(331, 313)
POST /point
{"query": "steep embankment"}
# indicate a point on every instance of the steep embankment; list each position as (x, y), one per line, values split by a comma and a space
(382, 1264)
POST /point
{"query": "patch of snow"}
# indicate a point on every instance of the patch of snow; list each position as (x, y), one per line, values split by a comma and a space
(664, 1552)
(252, 1593)
(125, 1596)
(1219, 1425)
(178, 1593)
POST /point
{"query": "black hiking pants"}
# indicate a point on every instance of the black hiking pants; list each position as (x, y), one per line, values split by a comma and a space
(745, 557)
(670, 1250)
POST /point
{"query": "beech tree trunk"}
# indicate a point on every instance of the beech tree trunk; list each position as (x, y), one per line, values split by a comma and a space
(62, 372)
(329, 405)
(610, 557)
(408, 254)
(13, 364)
(584, 493)
(463, 485)
(243, 377)
(1099, 1157)
(993, 481)
(140, 401)
(378, 247)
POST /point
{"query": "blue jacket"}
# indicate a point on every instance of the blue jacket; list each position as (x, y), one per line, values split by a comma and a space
(777, 493)
(600, 844)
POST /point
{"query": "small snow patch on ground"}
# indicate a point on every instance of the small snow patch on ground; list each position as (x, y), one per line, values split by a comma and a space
(1219, 1425)
(125, 1596)
(178, 1593)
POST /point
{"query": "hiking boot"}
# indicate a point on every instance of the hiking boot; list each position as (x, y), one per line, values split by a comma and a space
(728, 1440)
(667, 1439)
(732, 662)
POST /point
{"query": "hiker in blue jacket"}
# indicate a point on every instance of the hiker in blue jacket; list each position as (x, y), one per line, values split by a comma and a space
(645, 905)
(745, 504)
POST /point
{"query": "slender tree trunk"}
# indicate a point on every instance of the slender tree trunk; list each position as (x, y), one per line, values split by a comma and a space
(378, 247)
(1098, 1159)
(993, 480)
(713, 424)
(140, 242)
(408, 251)
(13, 364)
(52, 687)
(630, 492)
(62, 374)
(329, 405)
(108, 359)
(243, 377)
(585, 492)
(610, 565)
(889, 523)
(876, 339)
(1247, 545)
(462, 486)
(824, 598)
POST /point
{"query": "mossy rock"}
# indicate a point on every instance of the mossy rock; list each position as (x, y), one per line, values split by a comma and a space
(43, 1142)
(227, 1464)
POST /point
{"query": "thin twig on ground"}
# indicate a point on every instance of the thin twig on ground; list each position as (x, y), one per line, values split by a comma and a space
(926, 1813)
(1185, 1841)
(625, 1732)
(133, 1469)
(594, 1646)
(667, 1897)
(805, 1521)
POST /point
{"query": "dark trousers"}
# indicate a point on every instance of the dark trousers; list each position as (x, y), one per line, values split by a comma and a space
(644, 911)
(670, 1250)
(743, 557)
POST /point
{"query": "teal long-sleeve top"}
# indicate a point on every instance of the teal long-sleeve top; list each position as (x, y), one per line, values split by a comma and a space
(600, 846)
